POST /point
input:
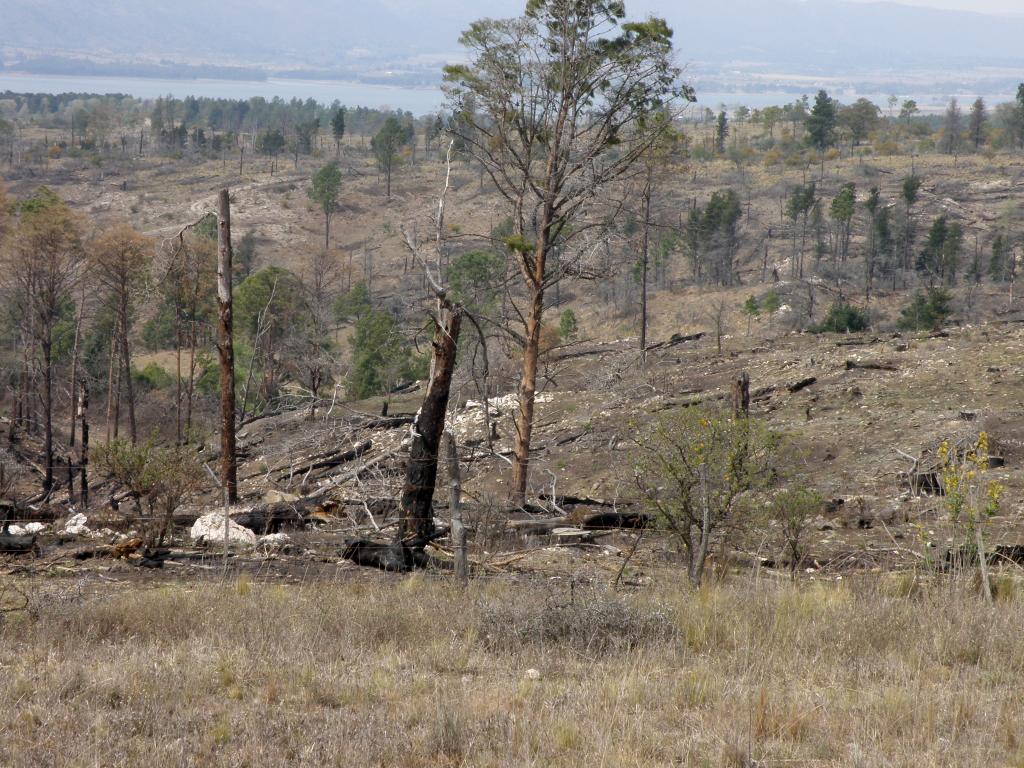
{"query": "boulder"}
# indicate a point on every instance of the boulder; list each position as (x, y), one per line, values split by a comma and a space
(77, 525)
(209, 529)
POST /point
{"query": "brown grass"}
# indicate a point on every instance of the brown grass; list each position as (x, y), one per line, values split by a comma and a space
(418, 673)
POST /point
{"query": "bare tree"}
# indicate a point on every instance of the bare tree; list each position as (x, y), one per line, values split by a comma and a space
(556, 91)
(417, 523)
(226, 349)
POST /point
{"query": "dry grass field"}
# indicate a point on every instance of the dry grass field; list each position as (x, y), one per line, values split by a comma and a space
(370, 671)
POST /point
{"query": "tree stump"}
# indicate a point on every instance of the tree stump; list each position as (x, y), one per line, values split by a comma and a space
(741, 396)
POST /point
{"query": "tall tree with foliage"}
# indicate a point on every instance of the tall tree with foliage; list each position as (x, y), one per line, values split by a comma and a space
(120, 260)
(324, 192)
(798, 209)
(860, 119)
(387, 146)
(42, 263)
(821, 123)
(977, 123)
(338, 129)
(560, 94)
(952, 129)
(910, 190)
(721, 132)
(841, 211)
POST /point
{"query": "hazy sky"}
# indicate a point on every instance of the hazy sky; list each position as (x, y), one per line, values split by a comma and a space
(982, 6)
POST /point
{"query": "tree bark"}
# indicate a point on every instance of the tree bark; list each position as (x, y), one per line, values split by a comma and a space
(226, 349)
(527, 399)
(645, 260)
(417, 523)
(83, 455)
(455, 505)
(126, 358)
(741, 396)
(48, 411)
(74, 371)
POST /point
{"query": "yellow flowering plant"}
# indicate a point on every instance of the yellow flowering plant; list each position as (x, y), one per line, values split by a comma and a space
(970, 497)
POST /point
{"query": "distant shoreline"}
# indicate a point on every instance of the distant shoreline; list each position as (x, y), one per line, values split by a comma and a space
(417, 99)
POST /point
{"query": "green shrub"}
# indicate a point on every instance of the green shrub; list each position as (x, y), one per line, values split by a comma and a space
(927, 312)
(842, 318)
(152, 377)
(568, 326)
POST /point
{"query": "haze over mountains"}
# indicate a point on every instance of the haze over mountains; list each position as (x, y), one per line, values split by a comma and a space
(407, 39)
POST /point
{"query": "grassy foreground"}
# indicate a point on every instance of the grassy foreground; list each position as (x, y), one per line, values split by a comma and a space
(419, 673)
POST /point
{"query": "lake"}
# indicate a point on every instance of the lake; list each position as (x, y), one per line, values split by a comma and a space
(419, 101)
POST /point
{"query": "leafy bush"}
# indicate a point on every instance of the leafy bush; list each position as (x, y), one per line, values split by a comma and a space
(352, 305)
(153, 376)
(381, 356)
(842, 318)
(701, 472)
(158, 479)
(927, 312)
(568, 326)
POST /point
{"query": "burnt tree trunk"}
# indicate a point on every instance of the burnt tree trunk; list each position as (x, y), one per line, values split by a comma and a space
(126, 361)
(741, 395)
(83, 454)
(417, 523)
(226, 350)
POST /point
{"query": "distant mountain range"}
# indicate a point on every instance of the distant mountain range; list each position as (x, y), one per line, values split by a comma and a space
(381, 37)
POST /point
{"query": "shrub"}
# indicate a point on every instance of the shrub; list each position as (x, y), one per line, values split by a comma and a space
(568, 326)
(842, 318)
(589, 622)
(793, 509)
(152, 377)
(701, 471)
(927, 312)
(159, 478)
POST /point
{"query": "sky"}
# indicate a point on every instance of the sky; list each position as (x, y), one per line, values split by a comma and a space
(981, 6)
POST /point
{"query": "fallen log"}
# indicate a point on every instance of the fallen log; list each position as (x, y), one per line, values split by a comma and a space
(16, 545)
(326, 460)
(394, 556)
(677, 338)
(858, 342)
(584, 501)
(264, 519)
(857, 365)
(802, 384)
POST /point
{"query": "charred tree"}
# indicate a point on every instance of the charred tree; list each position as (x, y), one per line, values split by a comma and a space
(417, 521)
(226, 349)
(83, 453)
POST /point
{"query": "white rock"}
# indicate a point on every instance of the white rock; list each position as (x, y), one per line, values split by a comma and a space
(274, 541)
(209, 529)
(77, 525)
(532, 674)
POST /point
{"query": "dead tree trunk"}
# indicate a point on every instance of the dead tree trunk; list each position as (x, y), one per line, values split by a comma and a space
(455, 505)
(645, 250)
(417, 523)
(126, 361)
(226, 349)
(83, 455)
(741, 396)
(74, 370)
